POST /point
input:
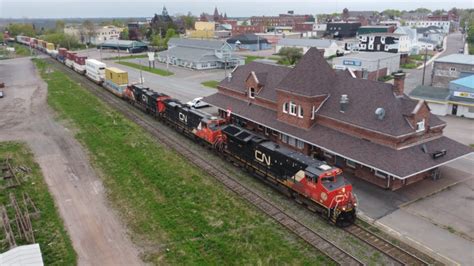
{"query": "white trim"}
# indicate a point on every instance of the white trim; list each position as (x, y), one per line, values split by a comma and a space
(285, 110)
(351, 164)
(250, 93)
(300, 111)
(290, 109)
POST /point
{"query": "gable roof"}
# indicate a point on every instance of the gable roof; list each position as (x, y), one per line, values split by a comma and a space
(457, 59)
(312, 76)
(194, 43)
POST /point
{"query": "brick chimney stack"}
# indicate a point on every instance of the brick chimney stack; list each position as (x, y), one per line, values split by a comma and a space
(399, 84)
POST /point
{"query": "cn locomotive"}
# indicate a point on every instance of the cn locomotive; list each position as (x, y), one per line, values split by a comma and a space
(314, 183)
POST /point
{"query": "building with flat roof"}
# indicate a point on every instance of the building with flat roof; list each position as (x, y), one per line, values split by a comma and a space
(250, 42)
(330, 47)
(451, 67)
(199, 54)
(124, 45)
(368, 65)
(370, 129)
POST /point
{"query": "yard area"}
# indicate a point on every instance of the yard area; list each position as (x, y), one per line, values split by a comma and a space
(48, 227)
(175, 211)
(157, 71)
(210, 83)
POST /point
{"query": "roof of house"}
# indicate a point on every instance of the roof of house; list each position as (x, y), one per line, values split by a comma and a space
(192, 54)
(467, 82)
(313, 76)
(411, 32)
(195, 43)
(122, 43)
(319, 43)
(370, 56)
(23, 255)
(399, 163)
(457, 59)
(431, 29)
(247, 39)
(430, 93)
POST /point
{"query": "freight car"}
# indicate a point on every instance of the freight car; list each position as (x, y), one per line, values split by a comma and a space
(61, 55)
(312, 182)
(79, 64)
(95, 70)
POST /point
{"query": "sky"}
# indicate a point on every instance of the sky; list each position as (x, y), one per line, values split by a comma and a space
(233, 8)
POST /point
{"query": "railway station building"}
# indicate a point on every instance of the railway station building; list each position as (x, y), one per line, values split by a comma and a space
(368, 128)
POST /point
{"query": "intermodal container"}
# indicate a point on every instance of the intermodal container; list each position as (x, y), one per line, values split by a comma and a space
(50, 46)
(80, 64)
(116, 75)
(70, 59)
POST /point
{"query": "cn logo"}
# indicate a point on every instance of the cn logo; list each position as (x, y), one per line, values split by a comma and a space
(183, 118)
(262, 157)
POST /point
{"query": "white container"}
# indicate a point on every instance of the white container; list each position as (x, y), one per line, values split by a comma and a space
(95, 70)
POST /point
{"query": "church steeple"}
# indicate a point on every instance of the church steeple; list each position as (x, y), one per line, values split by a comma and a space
(164, 13)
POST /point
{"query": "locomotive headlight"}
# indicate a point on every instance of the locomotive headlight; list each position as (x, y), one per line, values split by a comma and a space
(343, 190)
(355, 203)
(343, 208)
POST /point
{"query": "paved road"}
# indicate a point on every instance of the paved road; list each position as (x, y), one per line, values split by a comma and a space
(415, 77)
(96, 232)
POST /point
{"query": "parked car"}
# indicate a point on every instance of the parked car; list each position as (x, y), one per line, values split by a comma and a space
(1, 94)
(197, 103)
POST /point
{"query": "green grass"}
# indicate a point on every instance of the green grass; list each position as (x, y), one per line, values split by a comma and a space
(48, 229)
(157, 71)
(472, 145)
(251, 58)
(127, 57)
(21, 50)
(175, 211)
(409, 65)
(210, 83)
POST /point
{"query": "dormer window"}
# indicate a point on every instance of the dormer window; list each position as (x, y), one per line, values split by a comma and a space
(300, 111)
(252, 93)
(285, 108)
(420, 126)
(292, 108)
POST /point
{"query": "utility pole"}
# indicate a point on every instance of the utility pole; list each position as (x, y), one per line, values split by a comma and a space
(141, 74)
(424, 66)
(225, 66)
(378, 69)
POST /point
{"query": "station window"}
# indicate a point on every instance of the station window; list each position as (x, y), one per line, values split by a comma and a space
(252, 93)
(285, 108)
(327, 154)
(299, 144)
(420, 126)
(292, 141)
(292, 108)
(380, 174)
(351, 164)
(300, 111)
(284, 138)
(260, 127)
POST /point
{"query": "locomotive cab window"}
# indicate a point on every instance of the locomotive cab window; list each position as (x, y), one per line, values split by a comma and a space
(328, 179)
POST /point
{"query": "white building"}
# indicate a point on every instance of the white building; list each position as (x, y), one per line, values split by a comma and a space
(444, 25)
(412, 40)
(101, 34)
(330, 47)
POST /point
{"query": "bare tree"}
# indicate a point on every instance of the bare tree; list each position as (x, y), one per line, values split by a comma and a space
(88, 28)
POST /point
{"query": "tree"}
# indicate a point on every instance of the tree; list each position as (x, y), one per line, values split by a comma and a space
(88, 28)
(189, 20)
(423, 10)
(392, 13)
(63, 40)
(21, 29)
(60, 26)
(290, 55)
(124, 34)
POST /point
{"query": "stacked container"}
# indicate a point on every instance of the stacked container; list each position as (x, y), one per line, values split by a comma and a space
(95, 70)
(79, 64)
(116, 80)
(70, 59)
(61, 55)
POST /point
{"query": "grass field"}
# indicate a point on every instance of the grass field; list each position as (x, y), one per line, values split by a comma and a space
(175, 211)
(127, 57)
(48, 229)
(251, 58)
(147, 69)
(210, 83)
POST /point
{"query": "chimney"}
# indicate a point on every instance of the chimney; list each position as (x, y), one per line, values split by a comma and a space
(399, 84)
(344, 102)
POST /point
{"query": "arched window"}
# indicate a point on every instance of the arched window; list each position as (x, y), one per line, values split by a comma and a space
(285, 107)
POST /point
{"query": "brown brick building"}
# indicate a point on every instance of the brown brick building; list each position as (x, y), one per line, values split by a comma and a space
(289, 20)
(367, 128)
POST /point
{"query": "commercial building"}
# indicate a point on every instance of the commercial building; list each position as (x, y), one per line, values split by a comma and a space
(330, 47)
(375, 29)
(369, 129)
(457, 100)
(451, 67)
(367, 65)
(384, 42)
(250, 42)
(342, 29)
(123, 45)
(247, 29)
(100, 34)
(444, 25)
(202, 30)
(289, 19)
(199, 54)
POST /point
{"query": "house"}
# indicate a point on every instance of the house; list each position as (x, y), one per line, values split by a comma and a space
(199, 54)
(425, 43)
(342, 29)
(369, 129)
(368, 65)
(451, 67)
(431, 33)
(250, 42)
(384, 42)
(444, 25)
(412, 37)
(456, 100)
(330, 47)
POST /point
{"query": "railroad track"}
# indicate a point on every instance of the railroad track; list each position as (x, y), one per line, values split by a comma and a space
(394, 252)
(335, 253)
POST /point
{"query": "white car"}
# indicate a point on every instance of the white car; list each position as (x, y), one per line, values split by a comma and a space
(197, 103)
